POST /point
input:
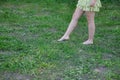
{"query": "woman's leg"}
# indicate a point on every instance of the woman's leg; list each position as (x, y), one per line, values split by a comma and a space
(91, 26)
(78, 12)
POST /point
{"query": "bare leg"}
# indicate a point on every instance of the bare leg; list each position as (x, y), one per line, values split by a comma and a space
(77, 14)
(91, 27)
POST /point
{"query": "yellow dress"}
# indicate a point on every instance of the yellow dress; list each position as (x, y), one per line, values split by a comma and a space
(85, 5)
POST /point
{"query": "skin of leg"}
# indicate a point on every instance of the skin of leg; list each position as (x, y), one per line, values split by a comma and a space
(77, 14)
(91, 26)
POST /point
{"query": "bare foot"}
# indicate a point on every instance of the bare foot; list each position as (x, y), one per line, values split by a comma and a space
(64, 39)
(88, 42)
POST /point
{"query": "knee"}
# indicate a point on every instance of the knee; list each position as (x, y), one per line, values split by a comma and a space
(75, 17)
(90, 20)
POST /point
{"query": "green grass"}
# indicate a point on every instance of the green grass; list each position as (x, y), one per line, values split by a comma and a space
(29, 49)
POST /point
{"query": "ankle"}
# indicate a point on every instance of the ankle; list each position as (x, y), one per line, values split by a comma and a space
(90, 40)
(66, 37)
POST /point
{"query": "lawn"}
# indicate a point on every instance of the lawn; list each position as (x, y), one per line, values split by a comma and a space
(29, 50)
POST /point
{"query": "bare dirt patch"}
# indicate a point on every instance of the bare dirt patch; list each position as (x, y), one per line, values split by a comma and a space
(14, 76)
